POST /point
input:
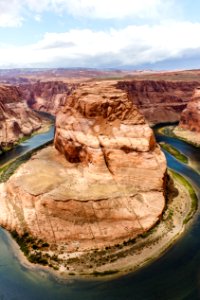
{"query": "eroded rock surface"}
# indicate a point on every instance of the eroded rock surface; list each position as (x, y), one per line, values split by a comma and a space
(47, 96)
(103, 185)
(189, 126)
(190, 117)
(159, 101)
(16, 119)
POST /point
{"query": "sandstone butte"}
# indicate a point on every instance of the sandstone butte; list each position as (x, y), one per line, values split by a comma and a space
(16, 119)
(48, 96)
(102, 183)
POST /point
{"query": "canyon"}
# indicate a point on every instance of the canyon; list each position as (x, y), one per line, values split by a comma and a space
(158, 100)
(91, 189)
(48, 96)
(16, 119)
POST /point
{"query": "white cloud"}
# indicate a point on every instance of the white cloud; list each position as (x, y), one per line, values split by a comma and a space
(131, 46)
(13, 12)
(10, 13)
(109, 9)
(38, 18)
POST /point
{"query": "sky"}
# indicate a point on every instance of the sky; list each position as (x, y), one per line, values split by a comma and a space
(119, 34)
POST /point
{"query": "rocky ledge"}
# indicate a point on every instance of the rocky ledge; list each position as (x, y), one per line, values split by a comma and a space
(102, 184)
(16, 119)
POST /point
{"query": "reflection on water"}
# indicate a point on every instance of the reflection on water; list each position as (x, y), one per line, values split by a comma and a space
(175, 275)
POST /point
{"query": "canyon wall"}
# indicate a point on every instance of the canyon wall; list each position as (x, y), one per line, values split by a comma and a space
(159, 101)
(16, 119)
(189, 126)
(47, 96)
(104, 184)
(190, 117)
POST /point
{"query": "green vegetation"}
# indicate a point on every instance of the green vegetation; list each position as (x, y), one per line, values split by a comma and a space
(107, 272)
(167, 130)
(33, 249)
(191, 192)
(148, 233)
(8, 147)
(173, 151)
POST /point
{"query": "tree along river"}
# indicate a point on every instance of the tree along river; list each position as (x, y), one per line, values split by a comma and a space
(174, 275)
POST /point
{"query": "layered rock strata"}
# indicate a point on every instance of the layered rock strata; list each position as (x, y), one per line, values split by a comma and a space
(189, 126)
(190, 117)
(103, 185)
(47, 96)
(16, 119)
(159, 101)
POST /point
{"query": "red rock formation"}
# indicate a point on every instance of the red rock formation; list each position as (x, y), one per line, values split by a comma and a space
(159, 101)
(108, 190)
(190, 117)
(47, 96)
(16, 119)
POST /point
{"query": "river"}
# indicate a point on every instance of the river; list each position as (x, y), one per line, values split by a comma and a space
(174, 275)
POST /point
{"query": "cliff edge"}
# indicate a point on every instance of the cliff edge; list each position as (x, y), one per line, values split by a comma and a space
(103, 183)
(158, 100)
(189, 126)
(47, 96)
(16, 119)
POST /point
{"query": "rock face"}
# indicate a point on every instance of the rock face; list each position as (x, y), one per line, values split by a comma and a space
(16, 119)
(47, 96)
(103, 185)
(159, 101)
(190, 117)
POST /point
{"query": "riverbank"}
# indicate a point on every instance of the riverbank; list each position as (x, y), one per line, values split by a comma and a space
(23, 154)
(173, 151)
(43, 128)
(191, 137)
(169, 131)
(132, 254)
(188, 136)
(153, 243)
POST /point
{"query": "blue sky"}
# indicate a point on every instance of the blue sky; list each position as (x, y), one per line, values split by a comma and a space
(135, 34)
